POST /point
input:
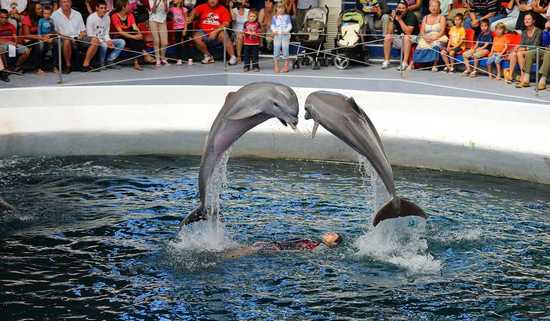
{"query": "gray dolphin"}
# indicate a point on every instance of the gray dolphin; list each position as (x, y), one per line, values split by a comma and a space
(342, 117)
(5, 207)
(243, 110)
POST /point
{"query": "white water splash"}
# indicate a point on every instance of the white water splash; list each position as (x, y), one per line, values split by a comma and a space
(397, 241)
(204, 236)
(217, 184)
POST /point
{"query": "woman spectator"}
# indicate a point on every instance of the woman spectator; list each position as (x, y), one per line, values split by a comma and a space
(29, 33)
(124, 26)
(512, 10)
(530, 39)
(159, 29)
(544, 70)
(537, 7)
(239, 13)
(432, 37)
(290, 7)
(414, 6)
(264, 18)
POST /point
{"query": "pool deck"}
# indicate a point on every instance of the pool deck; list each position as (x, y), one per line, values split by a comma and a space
(369, 78)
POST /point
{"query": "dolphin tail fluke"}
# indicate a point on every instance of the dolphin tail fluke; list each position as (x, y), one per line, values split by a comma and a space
(196, 215)
(390, 210)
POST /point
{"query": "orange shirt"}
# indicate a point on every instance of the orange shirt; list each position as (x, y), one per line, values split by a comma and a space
(498, 43)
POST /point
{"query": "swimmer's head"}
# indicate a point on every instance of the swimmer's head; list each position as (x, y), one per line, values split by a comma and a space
(331, 239)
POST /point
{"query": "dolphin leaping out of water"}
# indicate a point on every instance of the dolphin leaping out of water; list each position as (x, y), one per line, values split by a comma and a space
(342, 117)
(5, 207)
(243, 110)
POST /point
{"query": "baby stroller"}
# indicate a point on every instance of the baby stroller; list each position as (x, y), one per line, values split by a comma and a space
(312, 37)
(349, 40)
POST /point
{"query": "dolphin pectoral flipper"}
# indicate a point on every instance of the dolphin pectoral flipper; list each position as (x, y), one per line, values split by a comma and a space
(390, 210)
(198, 214)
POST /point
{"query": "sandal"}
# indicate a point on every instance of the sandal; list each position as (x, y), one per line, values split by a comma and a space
(467, 72)
(434, 69)
(522, 85)
(473, 74)
(541, 85)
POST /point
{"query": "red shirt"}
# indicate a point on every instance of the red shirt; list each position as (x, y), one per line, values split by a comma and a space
(33, 27)
(126, 25)
(211, 18)
(252, 31)
(7, 33)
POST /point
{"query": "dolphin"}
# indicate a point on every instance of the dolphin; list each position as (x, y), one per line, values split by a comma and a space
(243, 110)
(342, 117)
(5, 207)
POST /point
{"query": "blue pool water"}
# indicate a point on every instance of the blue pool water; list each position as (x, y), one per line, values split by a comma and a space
(96, 238)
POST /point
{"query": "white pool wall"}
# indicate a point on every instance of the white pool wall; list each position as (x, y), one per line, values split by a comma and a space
(491, 137)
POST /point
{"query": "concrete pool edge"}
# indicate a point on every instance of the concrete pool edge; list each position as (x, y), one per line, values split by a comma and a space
(497, 138)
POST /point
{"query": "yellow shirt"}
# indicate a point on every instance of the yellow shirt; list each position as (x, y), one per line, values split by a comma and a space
(456, 36)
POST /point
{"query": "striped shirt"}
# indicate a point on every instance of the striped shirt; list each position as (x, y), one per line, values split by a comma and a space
(483, 7)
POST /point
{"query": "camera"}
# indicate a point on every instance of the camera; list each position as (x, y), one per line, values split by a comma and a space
(399, 12)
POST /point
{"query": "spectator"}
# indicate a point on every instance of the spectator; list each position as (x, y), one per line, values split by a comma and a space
(68, 23)
(8, 37)
(457, 37)
(415, 6)
(179, 16)
(264, 18)
(46, 30)
(539, 9)
(402, 33)
(159, 29)
(239, 14)
(530, 39)
(124, 23)
(544, 70)
(500, 45)
(482, 9)
(281, 25)
(512, 9)
(432, 37)
(4, 75)
(376, 14)
(302, 6)
(252, 41)
(481, 49)
(290, 8)
(30, 35)
(98, 27)
(16, 10)
(212, 19)
(446, 6)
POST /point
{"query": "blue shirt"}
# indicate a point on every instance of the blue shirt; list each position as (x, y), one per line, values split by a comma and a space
(45, 26)
(484, 38)
(282, 24)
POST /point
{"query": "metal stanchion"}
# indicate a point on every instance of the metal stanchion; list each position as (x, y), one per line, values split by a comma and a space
(224, 50)
(536, 72)
(59, 60)
(401, 55)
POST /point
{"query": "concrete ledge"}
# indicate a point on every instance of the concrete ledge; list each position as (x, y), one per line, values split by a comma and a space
(490, 137)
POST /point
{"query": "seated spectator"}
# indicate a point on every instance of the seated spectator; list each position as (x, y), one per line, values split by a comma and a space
(537, 7)
(481, 49)
(415, 6)
(264, 18)
(482, 9)
(4, 75)
(159, 29)
(402, 33)
(29, 33)
(124, 24)
(179, 17)
(530, 39)
(68, 23)
(498, 51)
(239, 13)
(376, 14)
(97, 28)
(8, 37)
(544, 70)
(432, 37)
(512, 11)
(302, 6)
(457, 43)
(212, 19)
(16, 10)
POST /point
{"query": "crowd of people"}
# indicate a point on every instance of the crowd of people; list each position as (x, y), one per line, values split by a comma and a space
(91, 35)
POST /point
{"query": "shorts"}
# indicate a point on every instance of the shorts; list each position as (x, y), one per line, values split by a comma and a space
(398, 40)
(476, 54)
(19, 49)
(453, 51)
(206, 39)
(494, 59)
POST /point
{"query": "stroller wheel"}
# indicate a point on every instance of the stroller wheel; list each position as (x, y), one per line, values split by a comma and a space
(341, 62)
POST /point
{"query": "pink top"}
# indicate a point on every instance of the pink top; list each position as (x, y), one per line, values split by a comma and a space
(179, 15)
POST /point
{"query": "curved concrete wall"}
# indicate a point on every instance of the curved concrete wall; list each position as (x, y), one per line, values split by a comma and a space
(498, 138)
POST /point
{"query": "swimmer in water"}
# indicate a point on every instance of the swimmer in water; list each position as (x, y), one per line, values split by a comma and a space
(329, 239)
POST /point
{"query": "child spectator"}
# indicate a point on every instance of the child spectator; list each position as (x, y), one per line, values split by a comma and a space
(252, 41)
(481, 48)
(179, 16)
(500, 45)
(46, 30)
(280, 27)
(456, 44)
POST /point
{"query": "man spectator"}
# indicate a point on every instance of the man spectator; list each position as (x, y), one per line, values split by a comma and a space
(8, 38)
(69, 24)
(16, 10)
(402, 31)
(376, 14)
(482, 9)
(212, 18)
(97, 30)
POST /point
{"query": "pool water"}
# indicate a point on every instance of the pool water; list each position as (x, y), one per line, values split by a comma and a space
(96, 238)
